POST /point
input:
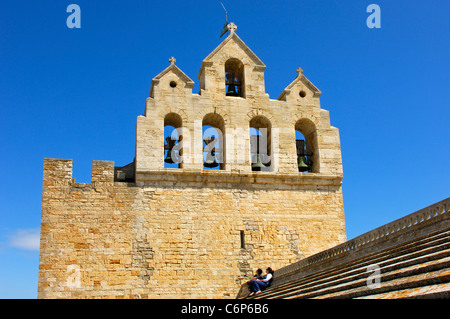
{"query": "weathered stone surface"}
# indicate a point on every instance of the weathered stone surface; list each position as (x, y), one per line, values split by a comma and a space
(176, 233)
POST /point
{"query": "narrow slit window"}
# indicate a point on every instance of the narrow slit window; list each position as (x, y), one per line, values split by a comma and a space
(242, 239)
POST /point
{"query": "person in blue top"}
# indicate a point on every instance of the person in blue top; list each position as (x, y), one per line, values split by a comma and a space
(257, 285)
(257, 275)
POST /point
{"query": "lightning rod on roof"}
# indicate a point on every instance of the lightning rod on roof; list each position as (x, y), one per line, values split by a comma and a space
(224, 29)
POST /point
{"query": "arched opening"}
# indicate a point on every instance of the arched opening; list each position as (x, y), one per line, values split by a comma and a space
(306, 144)
(213, 136)
(234, 78)
(260, 144)
(172, 141)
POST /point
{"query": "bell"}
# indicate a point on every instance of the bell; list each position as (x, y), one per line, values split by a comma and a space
(257, 164)
(232, 90)
(210, 160)
(169, 146)
(302, 164)
(168, 158)
(232, 83)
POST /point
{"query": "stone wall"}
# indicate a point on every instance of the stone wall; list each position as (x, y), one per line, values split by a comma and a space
(178, 235)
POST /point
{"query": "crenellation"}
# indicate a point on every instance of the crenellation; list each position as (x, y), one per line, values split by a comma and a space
(57, 171)
(102, 171)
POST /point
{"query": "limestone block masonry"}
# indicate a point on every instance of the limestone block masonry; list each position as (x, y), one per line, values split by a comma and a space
(190, 232)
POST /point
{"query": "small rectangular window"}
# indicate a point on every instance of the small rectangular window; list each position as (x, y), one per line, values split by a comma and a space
(242, 239)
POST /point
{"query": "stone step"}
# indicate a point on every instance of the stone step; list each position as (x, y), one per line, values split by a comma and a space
(426, 264)
(427, 248)
(406, 268)
(423, 277)
(342, 271)
(370, 259)
(432, 291)
(362, 274)
(359, 268)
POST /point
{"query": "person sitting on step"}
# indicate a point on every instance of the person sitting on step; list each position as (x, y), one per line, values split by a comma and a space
(257, 285)
(257, 275)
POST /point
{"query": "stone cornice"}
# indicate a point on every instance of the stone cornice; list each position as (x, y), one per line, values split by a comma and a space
(212, 176)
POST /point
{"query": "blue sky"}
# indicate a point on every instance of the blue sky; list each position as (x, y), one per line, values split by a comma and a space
(76, 93)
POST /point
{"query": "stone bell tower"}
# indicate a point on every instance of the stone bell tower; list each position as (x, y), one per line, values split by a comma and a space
(224, 181)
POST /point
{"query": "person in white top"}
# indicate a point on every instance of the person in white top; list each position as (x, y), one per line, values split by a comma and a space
(257, 285)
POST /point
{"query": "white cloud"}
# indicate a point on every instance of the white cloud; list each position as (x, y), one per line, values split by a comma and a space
(27, 239)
